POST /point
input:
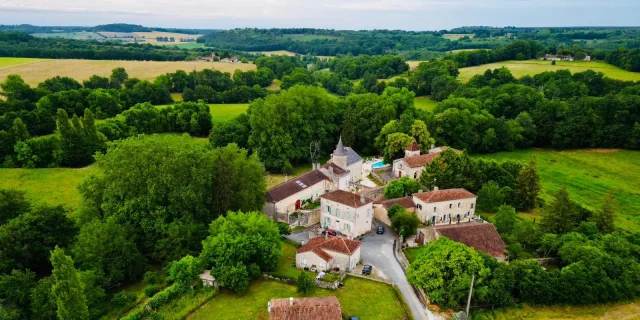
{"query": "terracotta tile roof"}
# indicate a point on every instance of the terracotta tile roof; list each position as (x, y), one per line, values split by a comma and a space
(350, 199)
(405, 202)
(480, 236)
(423, 159)
(327, 308)
(318, 246)
(337, 170)
(444, 195)
(291, 187)
(413, 146)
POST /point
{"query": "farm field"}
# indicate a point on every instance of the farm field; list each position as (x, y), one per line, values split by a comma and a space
(14, 62)
(224, 112)
(355, 299)
(55, 186)
(457, 36)
(149, 37)
(588, 175)
(532, 67)
(34, 73)
(425, 103)
(622, 311)
(70, 35)
(274, 53)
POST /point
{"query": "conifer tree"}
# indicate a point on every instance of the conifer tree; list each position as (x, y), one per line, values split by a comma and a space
(528, 186)
(67, 289)
(20, 131)
(560, 216)
(606, 215)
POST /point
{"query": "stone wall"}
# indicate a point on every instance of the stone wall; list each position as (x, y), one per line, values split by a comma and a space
(304, 218)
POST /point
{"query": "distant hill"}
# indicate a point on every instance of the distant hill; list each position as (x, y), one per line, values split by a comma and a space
(120, 27)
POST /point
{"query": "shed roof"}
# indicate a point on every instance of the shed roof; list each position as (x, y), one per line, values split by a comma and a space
(480, 236)
(295, 185)
(350, 199)
(337, 244)
(327, 308)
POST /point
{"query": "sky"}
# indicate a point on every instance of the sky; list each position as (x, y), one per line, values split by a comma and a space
(330, 14)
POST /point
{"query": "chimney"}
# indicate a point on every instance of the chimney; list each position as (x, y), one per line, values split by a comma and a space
(362, 199)
(290, 301)
(435, 188)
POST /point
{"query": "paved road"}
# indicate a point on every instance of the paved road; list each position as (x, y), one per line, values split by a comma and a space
(378, 250)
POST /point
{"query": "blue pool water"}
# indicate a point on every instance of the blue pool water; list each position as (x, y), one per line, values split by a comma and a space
(378, 164)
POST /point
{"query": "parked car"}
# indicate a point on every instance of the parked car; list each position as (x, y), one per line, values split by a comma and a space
(367, 269)
(329, 232)
(354, 318)
(380, 230)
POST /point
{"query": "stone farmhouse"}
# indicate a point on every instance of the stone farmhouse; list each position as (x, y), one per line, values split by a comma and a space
(480, 236)
(413, 162)
(326, 253)
(327, 308)
(349, 213)
(381, 208)
(445, 206)
(345, 166)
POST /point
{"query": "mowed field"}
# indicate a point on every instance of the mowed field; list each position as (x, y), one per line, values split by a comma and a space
(457, 36)
(55, 186)
(14, 62)
(588, 175)
(150, 37)
(34, 73)
(532, 67)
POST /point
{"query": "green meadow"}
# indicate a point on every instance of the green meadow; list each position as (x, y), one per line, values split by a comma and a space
(532, 67)
(425, 103)
(13, 62)
(588, 175)
(223, 112)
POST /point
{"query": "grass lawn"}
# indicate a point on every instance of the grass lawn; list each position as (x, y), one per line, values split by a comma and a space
(621, 311)
(224, 112)
(13, 62)
(588, 175)
(425, 103)
(411, 253)
(288, 258)
(34, 73)
(363, 298)
(55, 186)
(274, 86)
(532, 67)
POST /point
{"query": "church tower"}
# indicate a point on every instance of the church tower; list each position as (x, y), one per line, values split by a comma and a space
(339, 156)
(412, 150)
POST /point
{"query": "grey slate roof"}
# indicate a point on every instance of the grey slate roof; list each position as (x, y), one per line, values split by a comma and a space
(293, 186)
(340, 150)
(352, 157)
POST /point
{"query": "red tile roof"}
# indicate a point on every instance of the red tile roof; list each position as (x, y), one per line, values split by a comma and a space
(423, 159)
(413, 146)
(444, 195)
(320, 244)
(350, 199)
(480, 236)
(405, 202)
(291, 187)
(327, 308)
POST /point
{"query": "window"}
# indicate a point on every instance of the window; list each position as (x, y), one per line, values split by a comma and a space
(337, 212)
(348, 216)
(415, 175)
(419, 206)
(329, 209)
(435, 209)
(450, 205)
(458, 204)
(472, 206)
(368, 213)
(304, 261)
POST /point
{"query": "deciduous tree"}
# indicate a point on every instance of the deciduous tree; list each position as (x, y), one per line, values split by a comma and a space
(67, 289)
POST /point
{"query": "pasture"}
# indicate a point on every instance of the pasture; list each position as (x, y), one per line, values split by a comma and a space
(149, 37)
(84, 35)
(588, 175)
(457, 36)
(619, 311)
(532, 67)
(14, 62)
(425, 103)
(34, 73)
(55, 186)
(224, 112)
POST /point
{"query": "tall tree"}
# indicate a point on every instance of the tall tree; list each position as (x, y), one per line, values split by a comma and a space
(395, 146)
(118, 77)
(560, 216)
(528, 186)
(605, 216)
(12, 204)
(67, 289)
(421, 134)
(19, 129)
(490, 197)
(506, 219)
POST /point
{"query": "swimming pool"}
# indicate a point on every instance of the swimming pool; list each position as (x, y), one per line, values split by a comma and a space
(378, 164)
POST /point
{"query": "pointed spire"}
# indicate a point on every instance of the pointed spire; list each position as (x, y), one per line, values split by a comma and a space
(340, 150)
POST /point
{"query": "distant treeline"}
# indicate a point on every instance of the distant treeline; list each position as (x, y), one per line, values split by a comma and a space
(114, 27)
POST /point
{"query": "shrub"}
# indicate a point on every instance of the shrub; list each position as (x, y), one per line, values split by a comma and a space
(303, 283)
(283, 227)
(151, 277)
(124, 299)
(151, 290)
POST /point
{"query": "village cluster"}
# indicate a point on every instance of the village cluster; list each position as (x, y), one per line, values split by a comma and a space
(340, 207)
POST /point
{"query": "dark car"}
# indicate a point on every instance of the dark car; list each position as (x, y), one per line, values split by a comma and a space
(380, 230)
(329, 232)
(367, 269)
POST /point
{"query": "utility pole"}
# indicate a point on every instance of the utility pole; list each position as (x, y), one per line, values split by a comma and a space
(470, 292)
